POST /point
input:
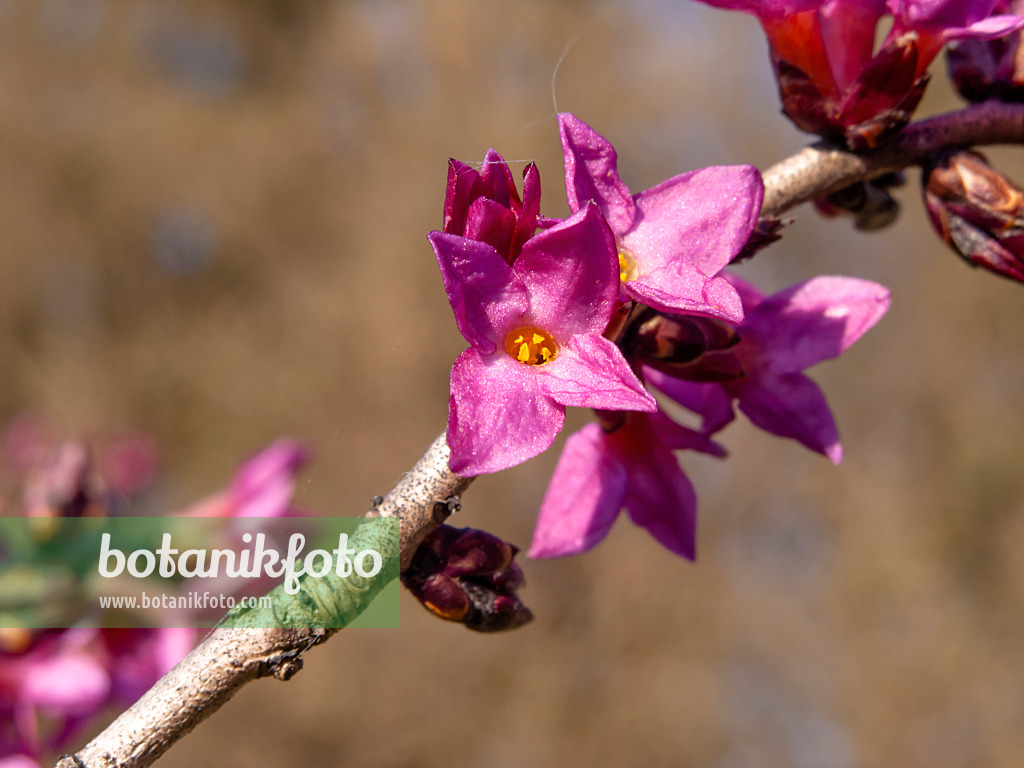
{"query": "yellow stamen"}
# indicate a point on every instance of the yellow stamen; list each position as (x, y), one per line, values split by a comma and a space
(627, 266)
(531, 346)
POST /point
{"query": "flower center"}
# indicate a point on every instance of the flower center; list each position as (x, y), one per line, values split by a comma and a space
(531, 346)
(627, 266)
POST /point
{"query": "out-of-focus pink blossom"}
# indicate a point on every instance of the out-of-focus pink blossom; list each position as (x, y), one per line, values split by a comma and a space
(632, 466)
(781, 336)
(262, 487)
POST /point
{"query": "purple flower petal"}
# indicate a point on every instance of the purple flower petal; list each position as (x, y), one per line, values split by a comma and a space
(497, 415)
(791, 405)
(766, 9)
(491, 223)
(676, 437)
(497, 180)
(709, 401)
(750, 295)
(526, 225)
(815, 320)
(661, 499)
(591, 173)
(985, 29)
(69, 683)
(703, 217)
(264, 485)
(583, 498)
(683, 289)
(571, 273)
(590, 372)
(18, 761)
(939, 14)
(461, 180)
(485, 295)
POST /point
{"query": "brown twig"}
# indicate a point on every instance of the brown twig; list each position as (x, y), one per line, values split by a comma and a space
(822, 169)
(228, 659)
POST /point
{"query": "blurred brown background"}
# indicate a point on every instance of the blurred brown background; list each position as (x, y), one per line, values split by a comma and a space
(212, 221)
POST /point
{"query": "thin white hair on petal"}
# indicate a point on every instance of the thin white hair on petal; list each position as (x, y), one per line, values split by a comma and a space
(481, 163)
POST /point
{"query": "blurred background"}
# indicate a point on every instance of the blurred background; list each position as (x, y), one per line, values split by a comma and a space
(212, 230)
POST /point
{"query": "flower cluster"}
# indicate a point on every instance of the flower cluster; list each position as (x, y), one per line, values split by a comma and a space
(832, 79)
(54, 682)
(630, 290)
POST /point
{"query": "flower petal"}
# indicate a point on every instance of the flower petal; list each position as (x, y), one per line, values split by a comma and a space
(683, 289)
(571, 273)
(527, 222)
(815, 320)
(766, 9)
(496, 179)
(750, 295)
(661, 499)
(702, 218)
(590, 372)
(485, 295)
(68, 683)
(497, 415)
(676, 437)
(791, 405)
(264, 485)
(710, 401)
(591, 173)
(583, 498)
(491, 223)
(461, 180)
(985, 29)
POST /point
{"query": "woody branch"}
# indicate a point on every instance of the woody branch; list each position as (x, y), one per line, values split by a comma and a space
(229, 659)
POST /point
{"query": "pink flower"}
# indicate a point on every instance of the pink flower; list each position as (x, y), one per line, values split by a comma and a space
(631, 466)
(673, 239)
(780, 337)
(486, 206)
(65, 677)
(834, 82)
(534, 330)
(262, 487)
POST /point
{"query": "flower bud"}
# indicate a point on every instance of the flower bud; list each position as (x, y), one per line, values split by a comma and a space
(65, 486)
(989, 69)
(687, 347)
(469, 576)
(977, 211)
(867, 202)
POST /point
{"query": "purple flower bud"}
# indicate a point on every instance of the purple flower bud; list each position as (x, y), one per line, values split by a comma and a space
(989, 69)
(486, 206)
(688, 347)
(467, 575)
(978, 212)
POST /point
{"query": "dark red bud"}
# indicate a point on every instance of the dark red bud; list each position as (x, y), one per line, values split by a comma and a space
(443, 596)
(977, 211)
(988, 69)
(870, 109)
(867, 202)
(676, 339)
(467, 575)
(477, 552)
